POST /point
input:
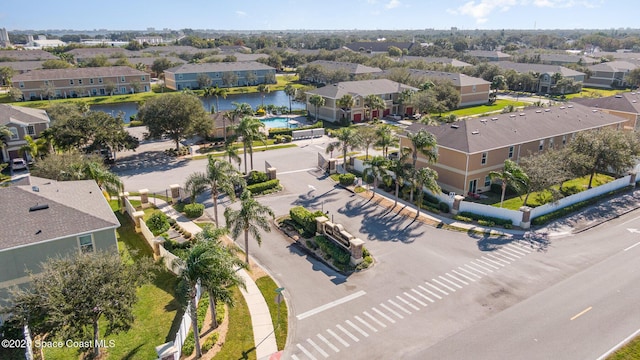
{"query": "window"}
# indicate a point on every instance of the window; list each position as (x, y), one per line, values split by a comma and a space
(484, 158)
(14, 133)
(541, 145)
(510, 152)
(46, 83)
(31, 130)
(564, 139)
(86, 243)
(123, 90)
(100, 80)
(487, 180)
(90, 81)
(94, 91)
(551, 143)
(71, 82)
(473, 88)
(21, 84)
(79, 81)
(141, 78)
(122, 79)
(179, 76)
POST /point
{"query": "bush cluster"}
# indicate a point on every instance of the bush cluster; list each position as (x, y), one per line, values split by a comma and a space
(181, 152)
(157, 223)
(134, 123)
(346, 179)
(211, 340)
(306, 219)
(263, 187)
(194, 210)
(256, 177)
(339, 254)
(486, 220)
(280, 139)
(189, 343)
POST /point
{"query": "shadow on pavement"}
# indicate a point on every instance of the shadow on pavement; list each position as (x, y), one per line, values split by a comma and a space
(318, 265)
(146, 162)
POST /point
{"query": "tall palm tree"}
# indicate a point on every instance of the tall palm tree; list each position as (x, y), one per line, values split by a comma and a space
(5, 134)
(193, 186)
(221, 177)
(219, 93)
(422, 142)
(317, 101)
(231, 150)
(511, 175)
(404, 98)
(386, 138)
(105, 179)
(372, 103)
(424, 178)
(346, 139)
(345, 103)
(208, 92)
(263, 89)
(401, 168)
(240, 110)
(377, 169)
(291, 93)
(250, 129)
(250, 219)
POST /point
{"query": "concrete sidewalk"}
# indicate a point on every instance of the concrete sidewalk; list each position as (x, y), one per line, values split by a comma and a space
(263, 331)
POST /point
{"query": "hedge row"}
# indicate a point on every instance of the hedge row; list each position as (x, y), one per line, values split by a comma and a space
(157, 223)
(346, 179)
(339, 254)
(288, 131)
(193, 211)
(306, 219)
(264, 186)
(487, 220)
(256, 177)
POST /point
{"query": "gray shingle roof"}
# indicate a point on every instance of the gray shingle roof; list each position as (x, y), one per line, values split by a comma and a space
(436, 60)
(625, 102)
(614, 66)
(378, 46)
(499, 131)
(362, 88)
(351, 68)
(74, 73)
(488, 54)
(21, 55)
(218, 67)
(539, 68)
(456, 78)
(75, 207)
(22, 115)
(84, 53)
(21, 66)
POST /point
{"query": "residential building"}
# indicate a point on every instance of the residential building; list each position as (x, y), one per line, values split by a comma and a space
(435, 60)
(388, 90)
(379, 47)
(609, 74)
(626, 105)
(485, 55)
(240, 56)
(26, 55)
(223, 74)
(353, 70)
(84, 54)
(545, 73)
(21, 121)
(469, 150)
(472, 90)
(42, 42)
(78, 82)
(47, 220)
(234, 49)
(151, 40)
(4, 38)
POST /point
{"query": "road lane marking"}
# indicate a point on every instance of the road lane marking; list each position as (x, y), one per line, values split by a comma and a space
(329, 344)
(421, 294)
(476, 270)
(384, 306)
(437, 288)
(463, 275)
(297, 171)
(457, 279)
(340, 340)
(469, 272)
(374, 319)
(518, 249)
(510, 252)
(630, 220)
(499, 259)
(619, 345)
(408, 303)
(350, 323)
(414, 299)
(346, 332)
(318, 348)
(383, 315)
(399, 307)
(492, 261)
(444, 285)
(526, 246)
(510, 256)
(430, 292)
(330, 305)
(581, 313)
(294, 357)
(486, 264)
(632, 246)
(366, 323)
(306, 352)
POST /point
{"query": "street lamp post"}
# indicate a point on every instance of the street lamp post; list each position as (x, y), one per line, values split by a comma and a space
(279, 298)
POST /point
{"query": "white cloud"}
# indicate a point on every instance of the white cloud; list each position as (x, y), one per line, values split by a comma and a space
(480, 10)
(567, 3)
(241, 13)
(393, 4)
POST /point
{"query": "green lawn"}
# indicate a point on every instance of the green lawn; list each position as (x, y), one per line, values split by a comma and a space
(483, 109)
(628, 352)
(156, 313)
(268, 289)
(541, 198)
(594, 92)
(239, 342)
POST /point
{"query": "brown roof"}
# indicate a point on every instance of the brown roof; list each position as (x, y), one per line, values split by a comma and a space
(22, 66)
(502, 130)
(351, 68)
(74, 208)
(626, 102)
(73, 73)
(21, 55)
(362, 88)
(19, 115)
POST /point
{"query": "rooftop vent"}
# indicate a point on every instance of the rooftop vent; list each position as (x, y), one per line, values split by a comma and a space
(594, 110)
(494, 118)
(523, 114)
(538, 111)
(454, 126)
(35, 189)
(562, 107)
(547, 110)
(618, 96)
(569, 106)
(483, 120)
(475, 132)
(38, 207)
(512, 115)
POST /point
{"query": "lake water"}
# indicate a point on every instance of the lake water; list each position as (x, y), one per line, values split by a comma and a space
(277, 98)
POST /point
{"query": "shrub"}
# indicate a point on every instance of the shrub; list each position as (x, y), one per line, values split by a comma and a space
(486, 223)
(211, 340)
(306, 219)
(312, 245)
(287, 138)
(339, 254)
(172, 222)
(487, 219)
(507, 226)
(279, 132)
(134, 123)
(278, 139)
(463, 218)
(194, 210)
(263, 187)
(256, 177)
(443, 206)
(189, 344)
(220, 312)
(157, 223)
(346, 179)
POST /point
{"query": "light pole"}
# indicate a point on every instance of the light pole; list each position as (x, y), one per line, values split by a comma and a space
(279, 298)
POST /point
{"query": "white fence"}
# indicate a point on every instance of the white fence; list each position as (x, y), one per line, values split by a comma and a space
(169, 260)
(487, 210)
(185, 325)
(129, 208)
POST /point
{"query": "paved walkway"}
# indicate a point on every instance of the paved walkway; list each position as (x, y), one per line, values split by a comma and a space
(263, 332)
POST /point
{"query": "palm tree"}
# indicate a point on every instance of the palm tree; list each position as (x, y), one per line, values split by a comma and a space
(317, 101)
(511, 175)
(219, 92)
(239, 111)
(347, 138)
(35, 148)
(5, 134)
(377, 168)
(372, 103)
(345, 103)
(404, 98)
(400, 167)
(422, 142)
(250, 129)
(221, 177)
(251, 218)
(386, 138)
(291, 93)
(231, 150)
(263, 89)
(208, 92)
(193, 186)
(105, 179)
(424, 178)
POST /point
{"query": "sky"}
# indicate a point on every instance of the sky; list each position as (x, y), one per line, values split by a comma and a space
(319, 14)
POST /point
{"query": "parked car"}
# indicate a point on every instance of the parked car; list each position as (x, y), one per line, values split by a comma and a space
(18, 164)
(393, 155)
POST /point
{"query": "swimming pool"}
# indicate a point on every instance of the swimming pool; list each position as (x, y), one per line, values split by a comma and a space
(279, 122)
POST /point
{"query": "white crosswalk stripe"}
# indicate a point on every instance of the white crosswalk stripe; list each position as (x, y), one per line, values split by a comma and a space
(518, 249)
(384, 315)
(346, 332)
(437, 288)
(456, 279)
(525, 245)
(414, 299)
(485, 267)
(499, 260)
(408, 303)
(306, 352)
(366, 323)
(318, 348)
(294, 357)
(485, 262)
(504, 255)
(450, 282)
(397, 314)
(350, 323)
(443, 285)
(475, 269)
(329, 344)
(340, 340)
(507, 251)
(421, 294)
(463, 275)
(399, 307)
(374, 319)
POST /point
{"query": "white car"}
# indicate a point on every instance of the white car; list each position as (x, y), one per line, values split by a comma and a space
(18, 164)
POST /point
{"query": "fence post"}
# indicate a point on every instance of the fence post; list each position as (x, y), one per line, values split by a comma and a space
(175, 192)
(526, 217)
(144, 198)
(455, 207)
(632, 179)
(137, 218)
(123, 196)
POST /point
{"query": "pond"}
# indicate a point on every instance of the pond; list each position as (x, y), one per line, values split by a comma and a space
(277, 98)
